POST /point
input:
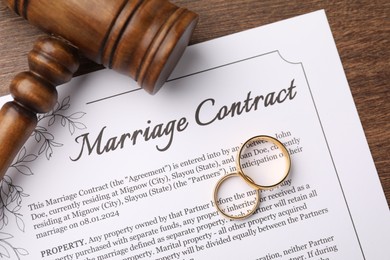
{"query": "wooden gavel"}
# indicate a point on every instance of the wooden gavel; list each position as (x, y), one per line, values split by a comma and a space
(140, 38)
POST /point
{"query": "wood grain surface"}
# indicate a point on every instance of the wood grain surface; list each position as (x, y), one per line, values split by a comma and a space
(361, 30)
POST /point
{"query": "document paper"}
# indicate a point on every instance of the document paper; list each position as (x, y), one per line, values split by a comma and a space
(115, 173)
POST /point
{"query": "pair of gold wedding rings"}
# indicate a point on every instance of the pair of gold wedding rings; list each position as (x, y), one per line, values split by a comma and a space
(273, 144)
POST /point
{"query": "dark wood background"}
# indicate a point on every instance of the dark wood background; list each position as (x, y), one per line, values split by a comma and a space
(361, 30)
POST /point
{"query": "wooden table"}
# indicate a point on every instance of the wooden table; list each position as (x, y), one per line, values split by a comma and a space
(361, 30)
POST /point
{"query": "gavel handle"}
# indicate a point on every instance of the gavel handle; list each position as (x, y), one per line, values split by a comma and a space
(52, 62)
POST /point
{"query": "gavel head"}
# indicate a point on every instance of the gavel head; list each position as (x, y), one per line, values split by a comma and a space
(140, 38)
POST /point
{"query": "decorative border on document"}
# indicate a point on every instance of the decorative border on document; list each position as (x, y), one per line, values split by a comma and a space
(41, 133)
(11, 194)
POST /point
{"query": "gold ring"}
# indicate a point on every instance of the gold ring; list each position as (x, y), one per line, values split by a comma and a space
(216, 189)
(285, 155)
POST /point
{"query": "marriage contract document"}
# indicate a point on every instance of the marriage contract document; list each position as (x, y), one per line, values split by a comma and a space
(115, 173)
